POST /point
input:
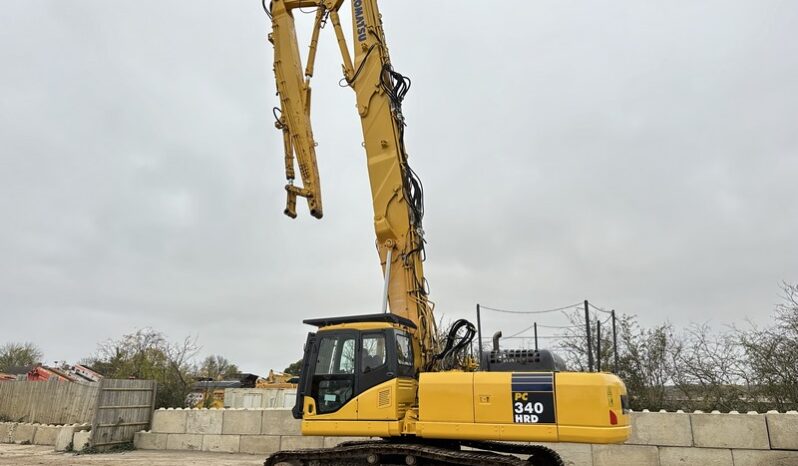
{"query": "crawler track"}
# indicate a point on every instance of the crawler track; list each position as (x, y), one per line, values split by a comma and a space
(389, 452)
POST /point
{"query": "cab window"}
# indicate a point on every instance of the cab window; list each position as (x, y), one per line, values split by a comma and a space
(333, 380)
(336, 356)
(372, 352)
(404, 350)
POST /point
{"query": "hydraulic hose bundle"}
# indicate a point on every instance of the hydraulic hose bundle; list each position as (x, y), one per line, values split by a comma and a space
(456, 346)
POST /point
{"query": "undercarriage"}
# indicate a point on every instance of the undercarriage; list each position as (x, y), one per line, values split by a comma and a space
(404, 452)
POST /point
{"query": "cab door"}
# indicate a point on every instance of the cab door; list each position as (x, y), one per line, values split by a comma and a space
(333, 379)
(375, 360)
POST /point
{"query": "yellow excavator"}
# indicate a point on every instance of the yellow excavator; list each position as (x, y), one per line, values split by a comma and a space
(390, 375)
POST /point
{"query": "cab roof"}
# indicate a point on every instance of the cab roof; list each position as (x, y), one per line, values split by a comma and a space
(387, 318)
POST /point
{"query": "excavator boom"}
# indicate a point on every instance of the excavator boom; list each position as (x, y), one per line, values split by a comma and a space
(396, 191)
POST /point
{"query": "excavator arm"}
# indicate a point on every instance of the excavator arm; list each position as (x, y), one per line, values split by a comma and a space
(293, 116)
(397, 193)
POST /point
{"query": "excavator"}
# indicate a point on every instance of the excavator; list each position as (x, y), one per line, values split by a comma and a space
(391, 376)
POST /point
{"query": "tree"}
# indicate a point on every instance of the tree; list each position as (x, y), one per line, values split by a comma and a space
(772, 355)
(217, 368)
(573, 344)
(147, 354)
(295, 368)
(647, 358)
(698, 368)
(19, 354)
(710, 371)
(648, 363)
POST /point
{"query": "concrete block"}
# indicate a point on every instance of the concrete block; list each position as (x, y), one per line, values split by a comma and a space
(63, 441)
(81, 440)
(667, 429)
(298, 442)
(46, 435)
(204, 421)
(764, 458)
(184, 442)
(169, 421)
(572, 454)
(747, 431)
(65, 438)
(150, 441)
(221, 443)
(330, 442)
(259, 444)
(280, 422)
(5, 432)
(680, 456)
(783, 430)
(242, 421)
(23, 433)
(625, 455)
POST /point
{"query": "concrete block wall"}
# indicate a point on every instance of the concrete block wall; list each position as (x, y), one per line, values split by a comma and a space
(657, 438)
(707, 439)
(60, 437)
(255, 431)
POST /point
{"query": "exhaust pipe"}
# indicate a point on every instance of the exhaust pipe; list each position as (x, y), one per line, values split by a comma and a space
(496, 337)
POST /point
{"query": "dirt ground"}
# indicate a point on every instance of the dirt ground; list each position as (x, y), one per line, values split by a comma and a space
(29, 455)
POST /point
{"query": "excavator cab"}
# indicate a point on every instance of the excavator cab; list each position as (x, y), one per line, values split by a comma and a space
(349, 356)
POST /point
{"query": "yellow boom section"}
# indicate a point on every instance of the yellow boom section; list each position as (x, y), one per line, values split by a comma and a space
(396, 191)
(294, 116)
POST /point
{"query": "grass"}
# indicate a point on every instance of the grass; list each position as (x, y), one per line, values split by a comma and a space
(118, 448)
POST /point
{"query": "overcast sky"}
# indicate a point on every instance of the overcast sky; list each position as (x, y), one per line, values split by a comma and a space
(640, 154)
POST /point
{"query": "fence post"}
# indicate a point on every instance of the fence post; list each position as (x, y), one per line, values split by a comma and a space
(479, 337)
(598, 345)
(614, 343)
(152, 405)
(95, 417)
(589, 340)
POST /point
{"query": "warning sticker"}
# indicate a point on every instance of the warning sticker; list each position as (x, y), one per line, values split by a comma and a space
(533, 398)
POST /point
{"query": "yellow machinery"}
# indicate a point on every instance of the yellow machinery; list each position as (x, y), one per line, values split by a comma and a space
(388, 374)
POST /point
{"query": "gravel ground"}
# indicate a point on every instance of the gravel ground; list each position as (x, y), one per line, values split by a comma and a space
(29, 455)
